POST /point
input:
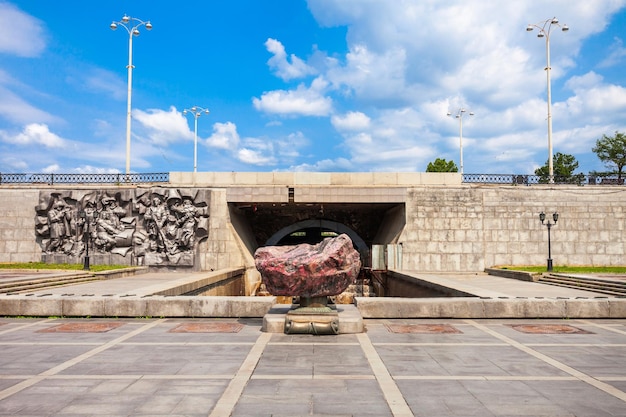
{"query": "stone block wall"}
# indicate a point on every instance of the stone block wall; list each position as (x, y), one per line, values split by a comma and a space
(18, 239)
(471, 228)
(456, 227)
(17, 226)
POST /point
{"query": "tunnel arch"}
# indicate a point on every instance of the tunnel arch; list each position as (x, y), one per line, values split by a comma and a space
(337, 227)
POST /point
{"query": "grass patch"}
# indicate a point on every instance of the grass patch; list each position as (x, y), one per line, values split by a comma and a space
(71, 267)
(568, 269)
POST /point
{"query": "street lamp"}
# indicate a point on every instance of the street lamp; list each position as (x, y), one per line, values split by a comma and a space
(87, 218)
(459, 115)
(127, 23)
(555, 217)
(544, 32)
(196, 111)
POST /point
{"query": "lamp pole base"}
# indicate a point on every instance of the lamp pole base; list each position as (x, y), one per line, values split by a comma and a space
(549, 264)
(86, 264)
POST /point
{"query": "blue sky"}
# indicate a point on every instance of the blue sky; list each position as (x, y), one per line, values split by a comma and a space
(317, 85)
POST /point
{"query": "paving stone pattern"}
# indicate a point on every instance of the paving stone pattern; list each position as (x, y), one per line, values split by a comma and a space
(228, 367)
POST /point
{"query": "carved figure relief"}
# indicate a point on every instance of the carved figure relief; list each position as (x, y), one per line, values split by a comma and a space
(156, 227)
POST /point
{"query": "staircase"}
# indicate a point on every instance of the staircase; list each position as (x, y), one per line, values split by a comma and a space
(600, 285)
(38, 284)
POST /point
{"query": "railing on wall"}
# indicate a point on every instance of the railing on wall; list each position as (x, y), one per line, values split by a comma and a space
(164, 177)
(51, 179)
(516, 179)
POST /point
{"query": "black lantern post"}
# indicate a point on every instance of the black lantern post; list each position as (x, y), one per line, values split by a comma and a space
(87, 219)
(555, 217)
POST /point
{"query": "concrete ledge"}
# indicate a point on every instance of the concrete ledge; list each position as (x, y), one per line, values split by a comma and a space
(227, 179)
(187, 284)
(482, 308)
(121, 273)
(83, 306)
(508, 273)
(231, 306)
(133, 306)
(350, 316)
(524, 308)
(125, 307)
(617, 307)
(586, 307)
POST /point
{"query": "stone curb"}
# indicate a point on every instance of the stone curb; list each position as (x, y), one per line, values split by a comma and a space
(134, 306)
(483, 308)
(239, 306)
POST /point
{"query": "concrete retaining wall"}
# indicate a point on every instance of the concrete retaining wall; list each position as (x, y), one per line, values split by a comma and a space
(146, 306)
(472, 227)
(17, 225)
(444, 225)
(481, 308)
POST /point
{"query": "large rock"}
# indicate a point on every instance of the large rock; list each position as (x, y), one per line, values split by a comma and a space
(304, 270)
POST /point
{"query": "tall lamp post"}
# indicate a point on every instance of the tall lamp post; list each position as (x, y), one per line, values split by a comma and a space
(196, 111)
(555, 217)
(459, 115)
(87, 218)
(127, 23)
(545, 28)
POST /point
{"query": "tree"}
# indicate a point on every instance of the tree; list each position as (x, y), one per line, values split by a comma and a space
(564, 166)
(612, 152)
(441, 165)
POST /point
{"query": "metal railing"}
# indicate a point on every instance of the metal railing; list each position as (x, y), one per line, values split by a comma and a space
(164, 177)
(517, 179)
(51, 179)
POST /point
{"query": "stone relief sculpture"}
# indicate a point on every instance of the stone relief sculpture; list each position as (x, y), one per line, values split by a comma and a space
(156, 227)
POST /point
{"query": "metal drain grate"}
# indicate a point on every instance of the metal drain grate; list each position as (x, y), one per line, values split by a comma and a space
(423, 328)
(548, 329)
(207, 328)
(82, 328)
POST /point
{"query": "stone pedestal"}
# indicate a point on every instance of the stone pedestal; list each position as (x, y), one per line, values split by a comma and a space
(340, 319)
(312, 320)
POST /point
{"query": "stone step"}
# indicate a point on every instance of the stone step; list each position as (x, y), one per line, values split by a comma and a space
(589, 279)
(16, 287)
(591, 284)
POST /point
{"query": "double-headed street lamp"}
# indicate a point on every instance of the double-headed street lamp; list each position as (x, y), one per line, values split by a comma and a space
(544, 32)
(196, 111)
(555, 217)
(459, 115)
(127, 23)
(87, 217)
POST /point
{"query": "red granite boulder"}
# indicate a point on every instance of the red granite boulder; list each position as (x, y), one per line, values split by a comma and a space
(304, 270)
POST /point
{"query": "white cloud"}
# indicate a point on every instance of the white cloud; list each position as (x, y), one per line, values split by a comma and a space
(353, 120)
(302, 101)
(286, 70)
(101, 81)
(17, 110)
(224, 136)
(289, 147)
(325, 165)
(88, 169)
(254, 157)
(370, 75)
(20, 33)
(582, 82)
(35, 134)
(51, 168)
(594, 101)
(429, 57)
(617, 55)
(164, 127)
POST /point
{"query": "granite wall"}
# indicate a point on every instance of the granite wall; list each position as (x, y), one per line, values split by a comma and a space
(441, 227)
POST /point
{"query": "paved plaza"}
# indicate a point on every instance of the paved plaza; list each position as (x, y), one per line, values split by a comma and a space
(228, 367)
